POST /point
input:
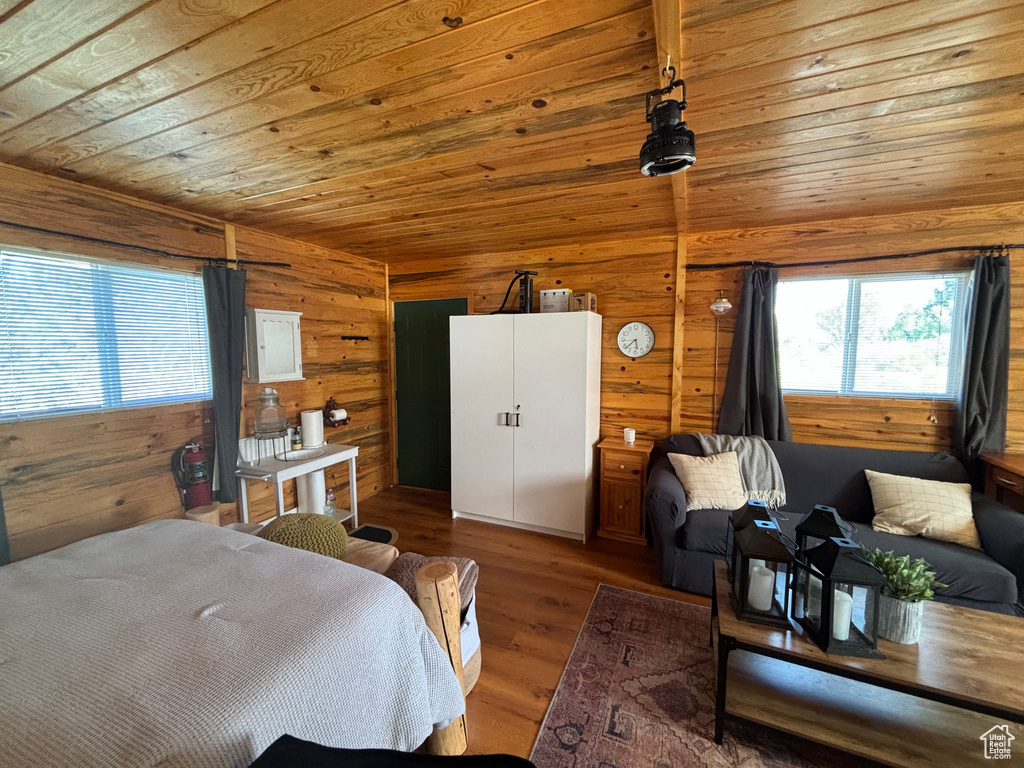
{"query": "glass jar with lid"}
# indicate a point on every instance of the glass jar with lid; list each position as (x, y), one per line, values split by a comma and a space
(270, 418)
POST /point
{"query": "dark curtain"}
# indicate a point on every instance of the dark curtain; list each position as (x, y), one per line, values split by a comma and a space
(752, 402)
(981, 406)
(5, 545)
(225, 319)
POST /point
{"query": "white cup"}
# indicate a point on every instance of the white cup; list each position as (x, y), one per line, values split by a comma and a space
(629, 435)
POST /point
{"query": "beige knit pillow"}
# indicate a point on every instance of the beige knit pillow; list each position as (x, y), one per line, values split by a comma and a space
(710, 482)
(910, 506)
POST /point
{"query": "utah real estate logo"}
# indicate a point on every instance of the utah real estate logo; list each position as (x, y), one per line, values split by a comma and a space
(998, 740)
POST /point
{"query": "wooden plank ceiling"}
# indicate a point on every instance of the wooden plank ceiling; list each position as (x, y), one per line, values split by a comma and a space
(385, 128)
(806, 110)
(400, 129)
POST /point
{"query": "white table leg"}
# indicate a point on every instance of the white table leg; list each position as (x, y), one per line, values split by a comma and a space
(280, 497)
(353, 496)
(243, 499)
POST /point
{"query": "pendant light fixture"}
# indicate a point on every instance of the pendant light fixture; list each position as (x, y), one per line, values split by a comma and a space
(670, 146)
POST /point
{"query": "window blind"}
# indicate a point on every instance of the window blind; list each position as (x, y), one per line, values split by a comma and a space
(888, 335)
(77, 335)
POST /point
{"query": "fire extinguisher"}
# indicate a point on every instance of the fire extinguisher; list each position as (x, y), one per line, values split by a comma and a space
(191, 470)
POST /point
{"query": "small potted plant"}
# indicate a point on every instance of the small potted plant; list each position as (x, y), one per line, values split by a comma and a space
(910, 583)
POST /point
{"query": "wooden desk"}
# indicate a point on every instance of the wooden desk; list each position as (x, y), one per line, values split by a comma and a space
(623, 480)
(273, 470)
(1004, 478)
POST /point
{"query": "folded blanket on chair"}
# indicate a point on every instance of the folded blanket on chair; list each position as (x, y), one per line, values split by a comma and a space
(759, 469)
(403, 571)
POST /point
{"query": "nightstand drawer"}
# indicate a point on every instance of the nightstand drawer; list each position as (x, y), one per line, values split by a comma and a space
(621, 465)
(1011, 481)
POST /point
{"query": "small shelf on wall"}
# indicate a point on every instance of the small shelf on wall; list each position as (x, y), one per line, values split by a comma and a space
(273, 345)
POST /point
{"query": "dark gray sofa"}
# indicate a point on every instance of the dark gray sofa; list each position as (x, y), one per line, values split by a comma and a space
(687, 541)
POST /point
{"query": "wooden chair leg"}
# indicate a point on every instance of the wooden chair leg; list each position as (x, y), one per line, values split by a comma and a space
(437, 592)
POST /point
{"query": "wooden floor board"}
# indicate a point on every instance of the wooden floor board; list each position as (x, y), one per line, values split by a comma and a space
(533, 594)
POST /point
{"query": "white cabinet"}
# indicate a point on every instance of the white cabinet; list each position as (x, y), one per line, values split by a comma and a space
(525, 402)
(273, 345)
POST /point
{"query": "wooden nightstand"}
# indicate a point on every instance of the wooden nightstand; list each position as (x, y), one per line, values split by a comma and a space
(1004, 478)
(623, 480)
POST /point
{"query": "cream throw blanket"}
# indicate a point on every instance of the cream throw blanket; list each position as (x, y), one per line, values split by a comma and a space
(759, 469)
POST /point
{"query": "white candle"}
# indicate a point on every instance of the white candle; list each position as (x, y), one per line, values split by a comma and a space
(752, 563)
(762, 588)
(629, 435)
(843, 605)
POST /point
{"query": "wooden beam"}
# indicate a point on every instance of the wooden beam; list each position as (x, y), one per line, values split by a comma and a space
(392, 379)
(668, 35)
(668, 32)
(229, 245)
(678, 350)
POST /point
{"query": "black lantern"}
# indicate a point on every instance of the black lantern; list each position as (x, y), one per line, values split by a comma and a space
(670, 147)
(738, 520)
(815, 528)
(761, 565)
(818, 526)
(839, 592)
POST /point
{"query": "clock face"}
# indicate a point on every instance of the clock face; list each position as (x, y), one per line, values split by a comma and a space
(636, 339)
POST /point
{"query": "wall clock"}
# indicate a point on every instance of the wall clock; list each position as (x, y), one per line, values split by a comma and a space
(636, 339)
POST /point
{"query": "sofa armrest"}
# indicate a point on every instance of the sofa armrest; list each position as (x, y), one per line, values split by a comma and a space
(665, 503)
(1001, 530)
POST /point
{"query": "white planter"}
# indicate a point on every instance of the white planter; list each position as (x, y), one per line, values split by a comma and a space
(900, 620)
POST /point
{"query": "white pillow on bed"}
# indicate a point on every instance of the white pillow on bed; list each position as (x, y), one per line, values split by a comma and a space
(710, 482)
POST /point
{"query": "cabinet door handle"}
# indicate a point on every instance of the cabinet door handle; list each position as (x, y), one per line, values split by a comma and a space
(1005, 480)
(504, 419)
(517, 420)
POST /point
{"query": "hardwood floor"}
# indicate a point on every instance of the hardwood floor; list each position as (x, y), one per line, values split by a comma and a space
(532, 597)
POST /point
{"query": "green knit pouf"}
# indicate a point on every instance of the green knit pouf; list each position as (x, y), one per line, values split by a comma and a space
(314, 533)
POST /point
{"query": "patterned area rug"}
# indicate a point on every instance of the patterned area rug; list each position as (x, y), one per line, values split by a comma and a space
(639, 692)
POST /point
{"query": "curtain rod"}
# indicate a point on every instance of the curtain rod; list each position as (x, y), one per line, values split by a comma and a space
(772, 265)
(145, 249)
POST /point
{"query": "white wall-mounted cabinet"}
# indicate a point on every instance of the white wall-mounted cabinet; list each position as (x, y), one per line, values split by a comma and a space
(526, 407)
(273, 345)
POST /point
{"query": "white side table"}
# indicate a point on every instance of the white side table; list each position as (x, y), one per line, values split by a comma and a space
(276, 471)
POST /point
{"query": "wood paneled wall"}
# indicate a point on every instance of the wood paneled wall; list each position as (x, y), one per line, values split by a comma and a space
(633, 279)
(338, 294)
(66, 478)
(873, 422)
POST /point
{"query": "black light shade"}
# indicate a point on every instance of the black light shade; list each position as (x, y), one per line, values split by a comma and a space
(670, 146)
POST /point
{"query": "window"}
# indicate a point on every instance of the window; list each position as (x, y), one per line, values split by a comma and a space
(79, 335)
(890, 335)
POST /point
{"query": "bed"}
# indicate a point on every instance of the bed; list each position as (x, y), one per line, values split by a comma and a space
(182, 644)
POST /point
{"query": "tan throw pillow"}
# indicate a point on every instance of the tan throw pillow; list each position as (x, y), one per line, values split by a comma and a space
(710, 482)
(910, 506)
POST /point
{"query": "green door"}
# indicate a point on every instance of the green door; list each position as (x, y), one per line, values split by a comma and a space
(423, 391)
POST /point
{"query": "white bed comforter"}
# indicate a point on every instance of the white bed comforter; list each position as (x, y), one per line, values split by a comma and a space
(182, 644)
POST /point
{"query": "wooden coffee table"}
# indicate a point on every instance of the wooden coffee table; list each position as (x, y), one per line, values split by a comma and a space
(923, 705)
